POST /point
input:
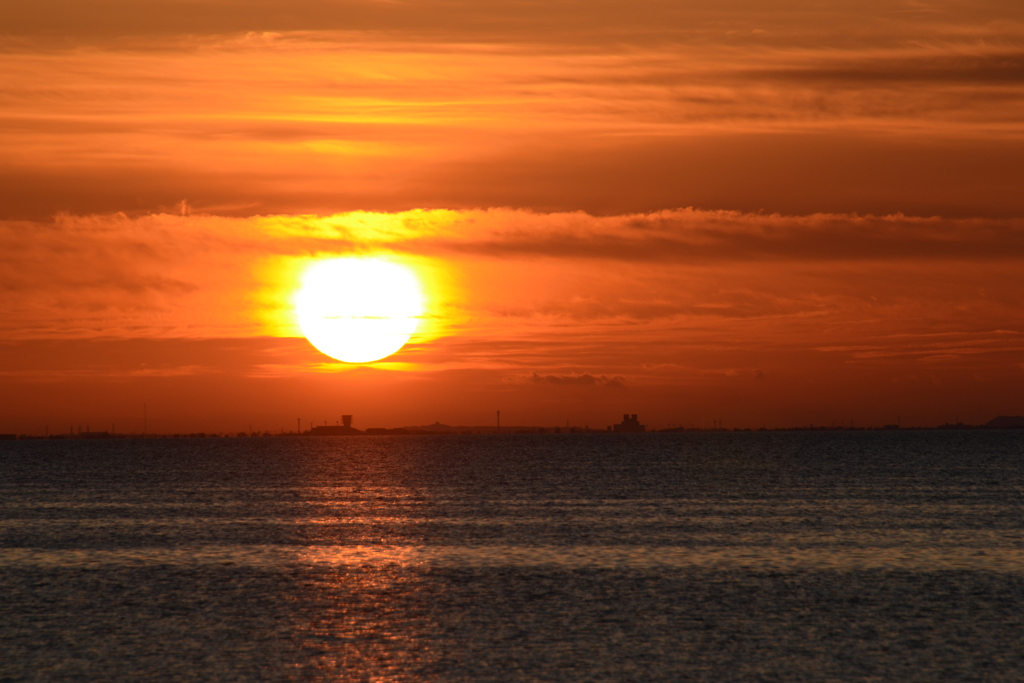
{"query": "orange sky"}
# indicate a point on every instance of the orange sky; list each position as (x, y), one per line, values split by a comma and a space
(766, 213)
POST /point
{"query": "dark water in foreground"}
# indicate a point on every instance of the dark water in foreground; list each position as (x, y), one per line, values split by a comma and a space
(882, 556)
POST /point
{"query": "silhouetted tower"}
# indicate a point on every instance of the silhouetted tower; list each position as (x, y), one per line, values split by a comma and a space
(346, 420)
(629, 423)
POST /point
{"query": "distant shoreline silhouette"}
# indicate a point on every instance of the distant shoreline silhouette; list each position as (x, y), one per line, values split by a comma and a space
(630, 425)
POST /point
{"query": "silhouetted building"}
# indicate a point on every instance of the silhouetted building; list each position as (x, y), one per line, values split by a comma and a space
(345, 429)
(629, 423)
(333, 430)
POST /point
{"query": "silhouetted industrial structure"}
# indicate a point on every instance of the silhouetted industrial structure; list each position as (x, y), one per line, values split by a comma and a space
(344, 429)
(629, 423)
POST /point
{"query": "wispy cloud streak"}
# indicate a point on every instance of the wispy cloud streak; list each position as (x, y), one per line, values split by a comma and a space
(672, 105)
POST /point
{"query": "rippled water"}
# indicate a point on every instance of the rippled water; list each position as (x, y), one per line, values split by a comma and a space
(709, 557)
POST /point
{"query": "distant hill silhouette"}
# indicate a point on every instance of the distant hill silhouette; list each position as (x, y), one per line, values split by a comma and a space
(1006, 422)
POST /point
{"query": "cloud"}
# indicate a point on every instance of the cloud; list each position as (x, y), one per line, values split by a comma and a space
(550, 300)
(330, 107)
(565, 22)
(578, 380)
(694, 237)
(998, 66)
(202, 275)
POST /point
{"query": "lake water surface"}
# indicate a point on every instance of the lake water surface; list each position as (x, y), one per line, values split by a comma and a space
(788, 556)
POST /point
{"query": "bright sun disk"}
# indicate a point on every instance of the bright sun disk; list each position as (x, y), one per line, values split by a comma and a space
(358, 310)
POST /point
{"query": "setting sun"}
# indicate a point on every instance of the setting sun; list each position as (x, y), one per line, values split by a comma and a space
(358, 310)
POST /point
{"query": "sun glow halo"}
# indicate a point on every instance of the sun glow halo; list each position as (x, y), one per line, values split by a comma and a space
(358, 310)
